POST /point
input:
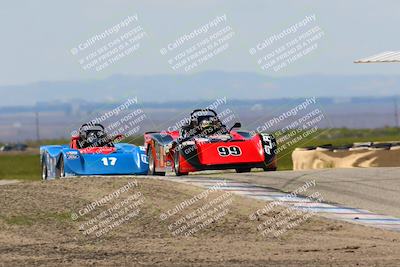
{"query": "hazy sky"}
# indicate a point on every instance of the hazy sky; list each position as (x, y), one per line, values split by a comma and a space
(37, 36)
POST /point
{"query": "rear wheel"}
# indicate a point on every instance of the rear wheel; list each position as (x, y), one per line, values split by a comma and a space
(152, 163)
(242, 170)
(177, 164)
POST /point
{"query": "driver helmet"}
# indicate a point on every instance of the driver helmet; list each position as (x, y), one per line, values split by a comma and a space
(206, 124)
(93, 139)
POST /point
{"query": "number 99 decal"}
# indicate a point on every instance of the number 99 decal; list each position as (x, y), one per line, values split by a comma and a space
(225, 151)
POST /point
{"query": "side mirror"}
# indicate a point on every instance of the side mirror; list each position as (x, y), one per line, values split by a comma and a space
(75, 138)
(118, 137)
(236, 125)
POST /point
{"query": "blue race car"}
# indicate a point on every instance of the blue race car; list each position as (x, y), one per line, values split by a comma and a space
(92, 152)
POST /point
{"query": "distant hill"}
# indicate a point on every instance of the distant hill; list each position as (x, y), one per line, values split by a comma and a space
(58, 119)
(200, 86)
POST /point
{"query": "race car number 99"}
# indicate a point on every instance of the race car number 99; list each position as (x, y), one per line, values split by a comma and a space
(225, 151)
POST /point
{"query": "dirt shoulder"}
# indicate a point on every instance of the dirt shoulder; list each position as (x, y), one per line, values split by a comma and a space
(36, 229)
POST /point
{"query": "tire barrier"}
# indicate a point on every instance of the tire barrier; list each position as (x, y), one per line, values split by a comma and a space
(369, 154)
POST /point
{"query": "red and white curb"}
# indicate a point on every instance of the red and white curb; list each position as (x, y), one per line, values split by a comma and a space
(331, 211)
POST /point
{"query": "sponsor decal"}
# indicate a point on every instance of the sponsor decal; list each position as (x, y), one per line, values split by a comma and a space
(144, 158)
(268, 145)
(72, 155)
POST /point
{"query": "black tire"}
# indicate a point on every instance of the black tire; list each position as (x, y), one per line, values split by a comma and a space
(61, 170)
(44, 170)
(152, 167)
(269, 169)
(242, 170)
(177, 164)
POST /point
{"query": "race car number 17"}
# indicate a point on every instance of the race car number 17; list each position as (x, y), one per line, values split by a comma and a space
(109, 161)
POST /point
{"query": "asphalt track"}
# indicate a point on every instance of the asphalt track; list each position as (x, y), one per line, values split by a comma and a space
(363, 196)
(373, 189)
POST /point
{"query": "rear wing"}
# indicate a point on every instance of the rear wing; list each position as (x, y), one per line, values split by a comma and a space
(163, 138)
(384, 57)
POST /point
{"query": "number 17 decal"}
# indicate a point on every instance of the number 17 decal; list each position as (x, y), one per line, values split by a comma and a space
(225, 151)
(109, 161)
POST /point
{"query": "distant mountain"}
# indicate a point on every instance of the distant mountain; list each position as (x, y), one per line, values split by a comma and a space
(57, 119)
(201, 86)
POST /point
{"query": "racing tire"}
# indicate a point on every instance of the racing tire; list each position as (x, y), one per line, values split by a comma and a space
(44, 170)
(242, 170)
(61, 169)
(177, 164)
(152, 164)
(269, 169)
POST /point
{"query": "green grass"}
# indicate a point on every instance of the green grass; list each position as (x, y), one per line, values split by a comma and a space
(20, 166)
(19, 220)
(27, 166)
(37, 144)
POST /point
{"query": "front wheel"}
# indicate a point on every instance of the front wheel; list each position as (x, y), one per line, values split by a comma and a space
(44, 170)
(268, 169)
(242, 170)
(152, 163)
(177, 163)
(61, 169)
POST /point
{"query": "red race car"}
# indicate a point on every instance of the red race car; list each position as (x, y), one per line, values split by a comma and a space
(205, 143)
